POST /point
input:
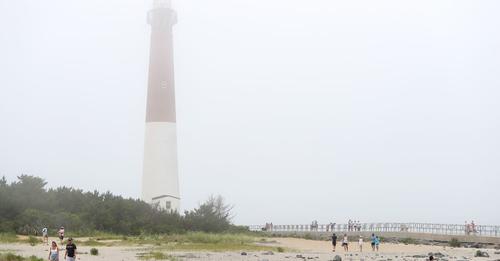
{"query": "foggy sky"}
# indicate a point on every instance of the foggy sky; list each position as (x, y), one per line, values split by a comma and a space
(292, 110)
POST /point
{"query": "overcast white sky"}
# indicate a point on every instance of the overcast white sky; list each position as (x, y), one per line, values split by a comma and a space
(292, 110)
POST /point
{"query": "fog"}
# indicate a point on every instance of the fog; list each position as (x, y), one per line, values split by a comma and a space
(291, 110)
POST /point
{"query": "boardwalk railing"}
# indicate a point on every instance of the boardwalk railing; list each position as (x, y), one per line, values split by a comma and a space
(440, 229)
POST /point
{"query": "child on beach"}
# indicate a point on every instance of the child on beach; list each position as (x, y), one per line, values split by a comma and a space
(377, 242)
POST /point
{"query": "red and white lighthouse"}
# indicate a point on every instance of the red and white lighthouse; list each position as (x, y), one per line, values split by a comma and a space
(160, 182)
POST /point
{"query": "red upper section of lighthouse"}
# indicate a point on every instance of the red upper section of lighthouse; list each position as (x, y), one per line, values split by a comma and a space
(161, 84)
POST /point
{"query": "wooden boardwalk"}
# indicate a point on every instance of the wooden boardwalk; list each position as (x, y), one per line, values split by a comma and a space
(443, 232)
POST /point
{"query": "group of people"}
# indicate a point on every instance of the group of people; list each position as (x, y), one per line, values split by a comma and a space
(268, 227)
(375, 242)
(470, 228)
(314, 225)
(69, 254)
(353, 225)
(330, 226)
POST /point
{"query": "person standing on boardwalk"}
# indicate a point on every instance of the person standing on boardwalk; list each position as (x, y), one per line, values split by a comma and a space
(345, 243)
(54, 252)
(70, 254)
(334, 242)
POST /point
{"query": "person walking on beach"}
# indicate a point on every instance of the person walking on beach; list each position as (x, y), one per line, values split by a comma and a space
(360, 242)
(345, 243)
(334, 242)
(54, 252)
(70, 254)
(61, 234)
(377, 243)
(374, 240)
(45, 234)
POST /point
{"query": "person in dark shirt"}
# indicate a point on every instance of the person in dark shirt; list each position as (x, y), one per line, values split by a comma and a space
(334, 241)
(70, 254)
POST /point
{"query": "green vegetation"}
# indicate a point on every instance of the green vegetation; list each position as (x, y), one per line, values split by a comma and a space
(26, 206)
(280, 250)
(190, 241)
(455, 243)
(155, 256)
(8, 238)
(33, 241)
(94, 251)
(409, 241)
(12, 238)
(197, 241)
(12, 257)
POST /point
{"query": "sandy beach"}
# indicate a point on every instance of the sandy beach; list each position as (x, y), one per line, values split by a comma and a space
(297, 249)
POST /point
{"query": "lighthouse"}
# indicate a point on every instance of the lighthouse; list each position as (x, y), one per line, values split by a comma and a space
(160, 181)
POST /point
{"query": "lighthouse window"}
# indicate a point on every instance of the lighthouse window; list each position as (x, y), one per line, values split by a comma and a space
(163, 84)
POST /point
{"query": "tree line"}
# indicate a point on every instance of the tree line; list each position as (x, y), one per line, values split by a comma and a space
(26, 206)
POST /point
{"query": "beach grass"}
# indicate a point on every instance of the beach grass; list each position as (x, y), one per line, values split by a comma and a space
(12, 257)
(192, 241)
(199, 241)
(13, 238)
(8, 238)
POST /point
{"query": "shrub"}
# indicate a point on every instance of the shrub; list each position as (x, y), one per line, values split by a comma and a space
(94, 251)
(280, 249)
(33, 241)
(480, 253)
(454, 242)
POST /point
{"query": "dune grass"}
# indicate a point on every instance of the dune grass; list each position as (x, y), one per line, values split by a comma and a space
(13, 238)
(12, 257)
(155, 255)
(8, 238)
(199, 241)
(192, 241)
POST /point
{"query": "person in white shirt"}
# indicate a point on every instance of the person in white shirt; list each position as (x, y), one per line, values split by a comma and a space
(45, 234)
(360, 242)
(345, 243)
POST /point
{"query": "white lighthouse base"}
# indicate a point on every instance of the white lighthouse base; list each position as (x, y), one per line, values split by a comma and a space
(160, 181)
